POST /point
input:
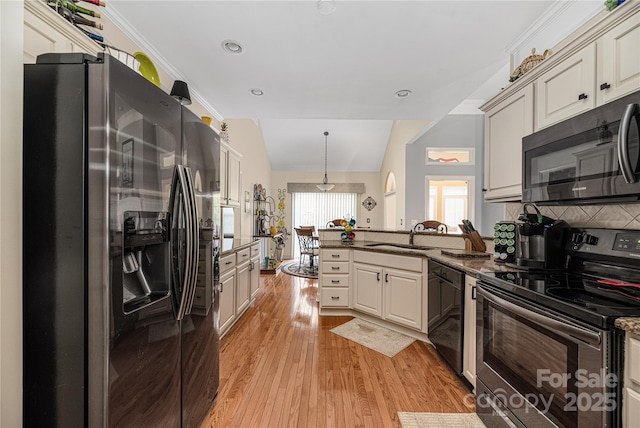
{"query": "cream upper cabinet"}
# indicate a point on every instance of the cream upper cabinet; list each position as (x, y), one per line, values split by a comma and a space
(45, 31)
(469, 345)
(233, 185)
(566, 89)
(229, 176)
(619, 60)
(505, 124)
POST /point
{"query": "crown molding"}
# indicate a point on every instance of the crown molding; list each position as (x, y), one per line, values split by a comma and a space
(540, 25)
(123, 25)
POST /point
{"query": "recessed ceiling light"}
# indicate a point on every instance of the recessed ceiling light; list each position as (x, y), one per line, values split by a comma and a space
(232, 47)
(403, 93)
(326, 7)
(257, 92)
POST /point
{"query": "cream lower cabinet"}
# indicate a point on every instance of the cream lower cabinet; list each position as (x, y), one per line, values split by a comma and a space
(243, 279)
(506, 122)
(631, 393)
(389, 287)
(334, 278)
(254, 268)
(227, 288)
(469, 345)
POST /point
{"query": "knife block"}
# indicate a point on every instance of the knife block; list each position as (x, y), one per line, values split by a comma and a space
(473, 242)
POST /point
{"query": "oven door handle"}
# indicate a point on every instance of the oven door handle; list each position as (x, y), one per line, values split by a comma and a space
(554, 325)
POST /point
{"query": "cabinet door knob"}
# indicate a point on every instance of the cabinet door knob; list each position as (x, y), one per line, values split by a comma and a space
(582, 97)
(604, 86)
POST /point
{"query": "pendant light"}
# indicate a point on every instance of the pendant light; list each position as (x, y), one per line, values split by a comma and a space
(325, 186)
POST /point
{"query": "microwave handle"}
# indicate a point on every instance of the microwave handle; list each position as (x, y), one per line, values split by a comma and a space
(623, 144)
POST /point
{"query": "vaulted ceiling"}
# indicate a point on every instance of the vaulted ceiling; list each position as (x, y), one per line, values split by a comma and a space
(338, 72)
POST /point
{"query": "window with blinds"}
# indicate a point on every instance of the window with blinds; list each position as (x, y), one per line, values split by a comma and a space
(317, 209)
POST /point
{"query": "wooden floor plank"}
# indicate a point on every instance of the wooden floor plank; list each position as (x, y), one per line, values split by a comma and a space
(280, 365)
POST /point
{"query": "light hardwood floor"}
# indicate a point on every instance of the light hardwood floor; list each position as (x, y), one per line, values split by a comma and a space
(281, 366)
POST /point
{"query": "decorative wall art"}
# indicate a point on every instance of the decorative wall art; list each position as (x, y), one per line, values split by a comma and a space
(369, 203)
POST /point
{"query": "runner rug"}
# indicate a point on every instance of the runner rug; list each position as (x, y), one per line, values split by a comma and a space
(439, 420)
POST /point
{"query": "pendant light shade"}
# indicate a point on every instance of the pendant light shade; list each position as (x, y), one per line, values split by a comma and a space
(325, 186)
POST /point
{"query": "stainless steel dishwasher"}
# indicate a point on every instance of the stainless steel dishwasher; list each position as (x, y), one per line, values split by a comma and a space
(446, 299)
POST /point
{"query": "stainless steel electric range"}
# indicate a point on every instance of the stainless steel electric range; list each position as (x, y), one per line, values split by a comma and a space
(548, 353)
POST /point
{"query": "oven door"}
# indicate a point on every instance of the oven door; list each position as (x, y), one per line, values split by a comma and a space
(539, 369)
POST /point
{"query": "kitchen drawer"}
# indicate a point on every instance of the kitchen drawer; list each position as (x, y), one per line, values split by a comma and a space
(334, 255)
(243, 256)
(336, 297)
(337, 280)
(255, 250)
(227, 262)
(335, 267)
(389, 260)
(633, 356)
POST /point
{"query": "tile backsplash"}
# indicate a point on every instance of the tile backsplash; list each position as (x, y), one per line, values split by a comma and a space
(622, 216)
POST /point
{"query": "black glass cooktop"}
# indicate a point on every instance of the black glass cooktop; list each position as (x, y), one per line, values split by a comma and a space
(591, 299)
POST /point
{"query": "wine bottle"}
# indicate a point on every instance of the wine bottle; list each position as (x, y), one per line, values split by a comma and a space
(77, 19)
(96, 2)
(74, 8)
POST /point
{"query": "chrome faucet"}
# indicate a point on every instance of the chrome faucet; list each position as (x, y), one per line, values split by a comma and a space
(411, 233)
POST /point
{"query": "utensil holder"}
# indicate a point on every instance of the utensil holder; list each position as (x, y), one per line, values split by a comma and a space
(474, 242)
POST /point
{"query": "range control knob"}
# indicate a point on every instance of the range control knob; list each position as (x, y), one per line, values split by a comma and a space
(577, 239)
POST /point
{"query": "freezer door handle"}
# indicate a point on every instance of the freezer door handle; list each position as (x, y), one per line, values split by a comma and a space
(181, 242)
(195, 244)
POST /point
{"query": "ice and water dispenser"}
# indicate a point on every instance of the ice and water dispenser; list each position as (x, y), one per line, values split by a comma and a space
(145, 259)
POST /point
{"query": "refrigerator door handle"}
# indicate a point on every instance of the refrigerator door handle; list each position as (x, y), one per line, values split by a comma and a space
(195, 243)
(179, 204)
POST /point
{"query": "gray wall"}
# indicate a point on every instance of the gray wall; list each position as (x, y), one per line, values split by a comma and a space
(452, 131)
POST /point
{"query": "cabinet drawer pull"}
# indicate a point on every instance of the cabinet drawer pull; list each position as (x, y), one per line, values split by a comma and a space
(604, 86)
(335, 281)
(582, 97)
(228, 263)
(473, 293)
(335, 256)
(245, 255)
(335, 297)
(335, 267)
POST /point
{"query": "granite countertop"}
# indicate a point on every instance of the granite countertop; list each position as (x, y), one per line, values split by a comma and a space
(470, 265)
(232, 245)
(629, 325)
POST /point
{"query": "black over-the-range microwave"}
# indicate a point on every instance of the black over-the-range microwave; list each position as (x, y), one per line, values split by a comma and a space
(592, 158)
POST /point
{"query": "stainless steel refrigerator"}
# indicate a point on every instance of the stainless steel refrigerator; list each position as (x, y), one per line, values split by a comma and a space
(121, 226)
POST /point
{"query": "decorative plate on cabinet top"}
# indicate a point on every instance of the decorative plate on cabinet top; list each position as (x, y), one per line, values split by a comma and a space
(147, 68)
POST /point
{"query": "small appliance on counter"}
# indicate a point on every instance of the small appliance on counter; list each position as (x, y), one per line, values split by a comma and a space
(539, 240)
(504, 242)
